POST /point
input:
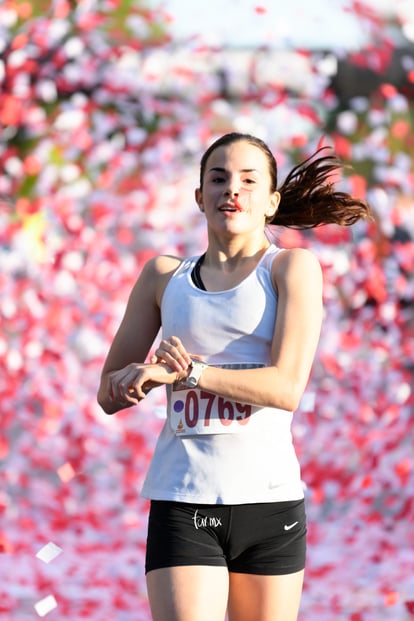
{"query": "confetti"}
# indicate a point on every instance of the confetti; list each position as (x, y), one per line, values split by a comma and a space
(66, 472)
(45, 605)
(49, 552)
(410, 606)
(6, 547)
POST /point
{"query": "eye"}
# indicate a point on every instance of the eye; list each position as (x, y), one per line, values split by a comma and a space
(217, 179)
(249, 181)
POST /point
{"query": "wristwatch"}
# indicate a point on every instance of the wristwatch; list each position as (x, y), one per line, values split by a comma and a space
(197, 367)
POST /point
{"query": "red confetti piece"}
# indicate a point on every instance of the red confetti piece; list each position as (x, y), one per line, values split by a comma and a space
(409, 605)
(6, 547)
(237, 204)
(366, 482)
(11, 110)
(364, 11)
(404, 469)
(23, 9)
(31, 165)
(19, 41)
(309, 112)
(388, 91)
(343, 147)
(318, 495)
(4, 448)
(321, 143)
(299, 141)
(400, 129)
(61, 9)
(358, 186)
(391, 598)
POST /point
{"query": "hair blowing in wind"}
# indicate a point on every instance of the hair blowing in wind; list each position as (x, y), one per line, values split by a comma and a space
(309, 197)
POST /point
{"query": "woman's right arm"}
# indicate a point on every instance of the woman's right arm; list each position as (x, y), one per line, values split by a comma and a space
(136, 333)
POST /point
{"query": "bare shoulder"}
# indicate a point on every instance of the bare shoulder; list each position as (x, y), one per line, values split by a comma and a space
(162, 264)
(157, 272)
(296, 264)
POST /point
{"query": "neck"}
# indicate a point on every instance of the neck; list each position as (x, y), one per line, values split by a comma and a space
(231, 258)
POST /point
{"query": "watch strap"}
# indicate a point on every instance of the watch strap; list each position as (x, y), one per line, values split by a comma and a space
(196, 369)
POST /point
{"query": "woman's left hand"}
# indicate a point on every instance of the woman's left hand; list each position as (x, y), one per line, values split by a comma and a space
(173, 353)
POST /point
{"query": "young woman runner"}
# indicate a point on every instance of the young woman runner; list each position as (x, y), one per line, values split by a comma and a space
(240, 327)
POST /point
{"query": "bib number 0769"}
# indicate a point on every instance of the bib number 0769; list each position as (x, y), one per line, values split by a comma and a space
(227, 412)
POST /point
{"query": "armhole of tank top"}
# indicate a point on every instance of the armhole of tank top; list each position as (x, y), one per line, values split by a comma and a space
(195, 274)
(273, 258)
(179, 269)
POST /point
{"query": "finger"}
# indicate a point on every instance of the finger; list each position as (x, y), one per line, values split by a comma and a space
(173, 359)
(130, 390)
(123, 388)
(175, 341)
(185, 356)
(171, 350)
(141, 392)
(128, 395)
(137, 386)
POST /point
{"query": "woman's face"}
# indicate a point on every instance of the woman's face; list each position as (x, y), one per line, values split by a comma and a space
(236, 192)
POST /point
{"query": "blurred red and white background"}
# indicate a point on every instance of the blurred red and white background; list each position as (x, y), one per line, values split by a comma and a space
(104, 114)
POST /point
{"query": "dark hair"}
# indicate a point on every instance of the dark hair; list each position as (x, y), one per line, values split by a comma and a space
(308, 198)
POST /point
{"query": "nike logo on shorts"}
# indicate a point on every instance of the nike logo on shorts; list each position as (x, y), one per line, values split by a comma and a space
(289, 526)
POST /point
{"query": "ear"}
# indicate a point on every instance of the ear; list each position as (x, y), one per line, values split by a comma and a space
(273, 205)
(199, 199)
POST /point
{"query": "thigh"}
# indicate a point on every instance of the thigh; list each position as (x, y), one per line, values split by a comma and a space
(265, 598)
(188, 593)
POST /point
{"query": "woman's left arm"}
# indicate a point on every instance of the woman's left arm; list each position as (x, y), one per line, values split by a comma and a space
(297, 276)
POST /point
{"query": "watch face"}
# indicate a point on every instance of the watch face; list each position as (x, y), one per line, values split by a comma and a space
(191, 381)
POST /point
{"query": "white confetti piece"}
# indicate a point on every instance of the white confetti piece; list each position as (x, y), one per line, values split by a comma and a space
(66, 472)
(307, 403)
(49, 552)
(45, 605)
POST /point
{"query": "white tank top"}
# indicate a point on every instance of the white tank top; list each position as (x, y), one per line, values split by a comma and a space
(211, 450)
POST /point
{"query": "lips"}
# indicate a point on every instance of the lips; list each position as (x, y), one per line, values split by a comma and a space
(231, 207)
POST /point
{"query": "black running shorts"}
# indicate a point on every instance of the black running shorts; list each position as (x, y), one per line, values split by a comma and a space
(264, 538)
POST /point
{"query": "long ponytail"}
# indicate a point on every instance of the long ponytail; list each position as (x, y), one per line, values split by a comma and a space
(309, 198)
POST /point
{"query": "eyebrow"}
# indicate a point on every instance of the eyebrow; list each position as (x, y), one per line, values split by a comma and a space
(218, 169)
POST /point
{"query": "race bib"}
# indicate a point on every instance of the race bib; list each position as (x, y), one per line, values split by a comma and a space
(195, 411)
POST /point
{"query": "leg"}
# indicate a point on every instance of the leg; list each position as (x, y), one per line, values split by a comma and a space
(188, 593)
(265, 598)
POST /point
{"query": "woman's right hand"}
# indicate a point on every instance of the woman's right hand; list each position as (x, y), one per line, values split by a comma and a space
(132, 383)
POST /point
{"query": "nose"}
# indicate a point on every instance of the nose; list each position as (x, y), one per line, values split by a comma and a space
(232, 190)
